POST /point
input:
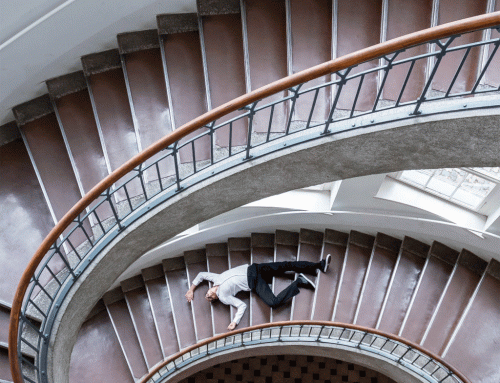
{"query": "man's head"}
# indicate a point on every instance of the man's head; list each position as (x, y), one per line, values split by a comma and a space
(211, 294)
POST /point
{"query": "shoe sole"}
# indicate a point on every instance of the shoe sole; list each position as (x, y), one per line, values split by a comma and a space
(313, 285)
(328, 259)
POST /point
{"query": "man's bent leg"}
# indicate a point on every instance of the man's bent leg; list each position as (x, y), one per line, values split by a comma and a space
(263, 290)
(279, 268)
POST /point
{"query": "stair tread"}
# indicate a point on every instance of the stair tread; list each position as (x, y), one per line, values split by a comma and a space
(98, 346)
(283, 253)
(140, 309)
(218, 263)
(129, 341)
(238, 257)
(200, 305)
(162, 310)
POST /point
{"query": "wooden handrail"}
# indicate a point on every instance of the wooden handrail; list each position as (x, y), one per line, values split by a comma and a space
(367, 54)
(369, 330)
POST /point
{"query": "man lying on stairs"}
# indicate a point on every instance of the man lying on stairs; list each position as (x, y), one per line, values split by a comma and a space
(256, 278)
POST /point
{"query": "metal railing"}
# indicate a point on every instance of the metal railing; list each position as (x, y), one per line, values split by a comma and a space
(376, 344)
(300, 108)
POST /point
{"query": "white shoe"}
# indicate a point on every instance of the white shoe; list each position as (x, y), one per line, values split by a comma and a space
(328, 259)
(305, 282)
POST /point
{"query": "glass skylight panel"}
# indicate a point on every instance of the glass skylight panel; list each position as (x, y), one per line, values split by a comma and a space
(465, 186)
(418, 177)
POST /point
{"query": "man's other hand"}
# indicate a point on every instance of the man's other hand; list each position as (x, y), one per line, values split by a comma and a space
(231, 326)
(189, 295)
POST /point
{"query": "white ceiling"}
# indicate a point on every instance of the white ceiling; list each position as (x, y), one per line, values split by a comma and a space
(41, 39)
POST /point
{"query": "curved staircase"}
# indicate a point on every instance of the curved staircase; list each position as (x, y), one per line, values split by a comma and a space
(91, 121)
(432, 295)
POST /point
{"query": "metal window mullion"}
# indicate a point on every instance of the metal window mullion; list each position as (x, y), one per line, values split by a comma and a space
(167, 81)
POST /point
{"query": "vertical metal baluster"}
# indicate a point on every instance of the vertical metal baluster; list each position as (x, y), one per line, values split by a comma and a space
(316, 93)
(80, 225)
(212, 131)
(405, 82)
(128, 197)
(140, 174)
(230, 138)
(295, 96)
(65, 261)
(176, 166)
(194, 156)
(357, 95)
(251, 113)
(159, 175)
(53, 275)
(386, 74)
(439, 57)
(337, 96)
(270, 123)
(68, 241)
(99, 220)
(457, 72)
(108, 198)
(43, 289)
(485, 67)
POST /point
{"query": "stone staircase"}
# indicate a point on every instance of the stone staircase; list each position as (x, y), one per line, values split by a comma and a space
(432, 295)
(91, 121)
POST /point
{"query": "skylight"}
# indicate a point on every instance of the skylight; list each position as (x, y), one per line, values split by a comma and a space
(465, 186)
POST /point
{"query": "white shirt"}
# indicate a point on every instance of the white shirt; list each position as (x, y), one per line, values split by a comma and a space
(230, 283)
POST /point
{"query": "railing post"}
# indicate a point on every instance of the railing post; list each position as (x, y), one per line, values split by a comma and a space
(251, 113)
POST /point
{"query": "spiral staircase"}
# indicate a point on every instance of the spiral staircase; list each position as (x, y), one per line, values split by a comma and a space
(92, 121)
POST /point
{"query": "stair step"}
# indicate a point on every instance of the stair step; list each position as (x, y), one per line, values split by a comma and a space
(108, 92)
(186, 82)
(217, 258)
(5, 374)
(405, 280)
(451, 11)
(97, 346)
(127, 336)
(377, 281)
(143, 67)
(472, 347)
(457, 295)
(140, 309)
(328, 283)
(196, 262)
(434, 279)
(20, 192)
(239, 254)
(161, 307)
(77, 122)
(267, 57)
(225, 69)
(262, 251)
(287, 244)
(357, 28)
(355, 267)
(310, 249)
(311, 44)
(402, 19)
(178, 284)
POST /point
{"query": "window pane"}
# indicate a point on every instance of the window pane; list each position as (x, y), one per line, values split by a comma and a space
(473, 190)
(418, 177)
(445, 181)
(492, 172)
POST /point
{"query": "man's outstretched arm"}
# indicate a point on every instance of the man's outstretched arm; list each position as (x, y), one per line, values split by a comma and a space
(240, 306)
(203, 276)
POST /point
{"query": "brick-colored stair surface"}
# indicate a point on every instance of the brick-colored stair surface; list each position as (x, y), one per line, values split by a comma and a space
(117, 102)
(287, 369)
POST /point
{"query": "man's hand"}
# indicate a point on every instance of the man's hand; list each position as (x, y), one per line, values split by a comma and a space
(189, 295)
(231, 326)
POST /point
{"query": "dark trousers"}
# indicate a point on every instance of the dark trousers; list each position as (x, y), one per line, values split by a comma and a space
(261, 274)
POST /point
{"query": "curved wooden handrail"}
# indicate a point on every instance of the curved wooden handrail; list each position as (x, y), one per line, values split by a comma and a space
(367, 54)
(415, 346)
